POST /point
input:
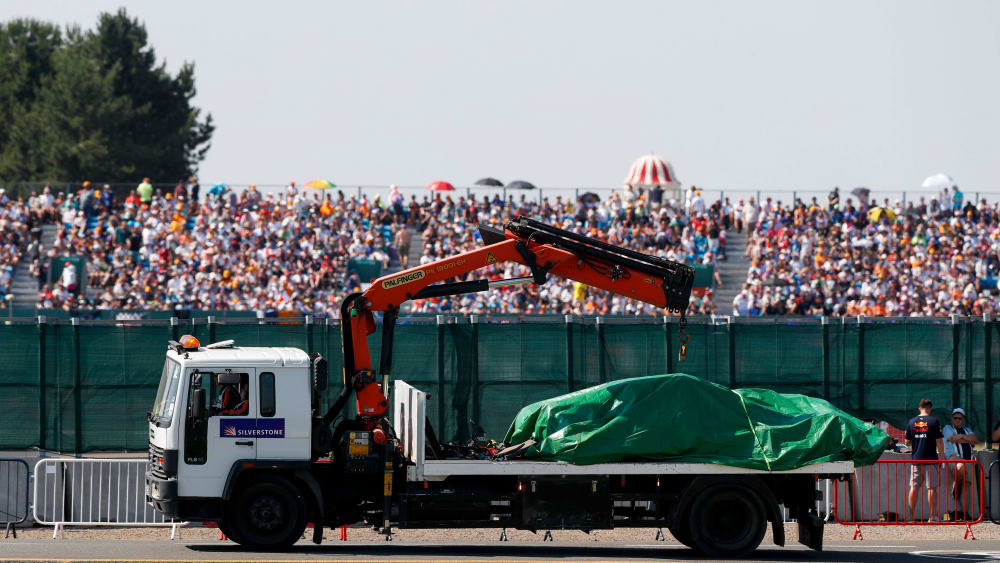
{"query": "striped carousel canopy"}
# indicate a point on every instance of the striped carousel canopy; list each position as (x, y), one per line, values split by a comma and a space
(652, 170)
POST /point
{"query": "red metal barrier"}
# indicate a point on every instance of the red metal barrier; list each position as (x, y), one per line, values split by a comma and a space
(879, 495)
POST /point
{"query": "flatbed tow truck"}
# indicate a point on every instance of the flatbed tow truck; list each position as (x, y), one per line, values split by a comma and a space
(262, 460)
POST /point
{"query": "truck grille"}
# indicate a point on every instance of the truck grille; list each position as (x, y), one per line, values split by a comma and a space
(155, 467)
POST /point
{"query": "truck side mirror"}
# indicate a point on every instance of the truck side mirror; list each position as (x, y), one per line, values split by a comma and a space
(196, 380)
(198, 406)
(319, 372)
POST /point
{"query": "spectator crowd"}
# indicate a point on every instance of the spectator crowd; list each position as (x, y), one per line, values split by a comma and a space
(293, 250)
(937, 256)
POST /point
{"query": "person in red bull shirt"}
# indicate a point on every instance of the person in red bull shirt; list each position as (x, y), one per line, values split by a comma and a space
(923, 435)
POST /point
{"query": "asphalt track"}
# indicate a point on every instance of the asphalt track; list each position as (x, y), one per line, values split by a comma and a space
(169, 551)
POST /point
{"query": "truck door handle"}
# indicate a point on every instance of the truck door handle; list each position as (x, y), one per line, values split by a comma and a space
(244, 442)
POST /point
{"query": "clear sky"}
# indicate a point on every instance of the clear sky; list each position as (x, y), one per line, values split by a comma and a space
(737, 95)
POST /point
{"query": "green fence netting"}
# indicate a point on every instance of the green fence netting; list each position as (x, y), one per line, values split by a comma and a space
(87, 386)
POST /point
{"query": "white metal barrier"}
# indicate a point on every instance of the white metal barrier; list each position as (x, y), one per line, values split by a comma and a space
(94, 492)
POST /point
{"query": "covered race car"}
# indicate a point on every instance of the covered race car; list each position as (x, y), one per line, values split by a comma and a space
(682, 418)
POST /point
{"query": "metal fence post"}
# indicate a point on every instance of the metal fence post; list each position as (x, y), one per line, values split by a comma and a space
(77, 391)
(969, 336)
(669, 342)
(211, 330)
(601, 369)
(309, 334)
(41, 382)
(956, 337)
(440, 373)
(476, 413)
(861, 364)
(174, 328)
(570, 383)
(732, 351)
(988, 376)
(825, 322)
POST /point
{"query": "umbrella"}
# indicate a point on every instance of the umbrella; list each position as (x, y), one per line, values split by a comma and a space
(938, 182)
(489, 182)
(652, 170)
(520, 185)
(217, 189)
(440, 186)
(590, 197)
(319, 185)
(861, 192)
(875, 214)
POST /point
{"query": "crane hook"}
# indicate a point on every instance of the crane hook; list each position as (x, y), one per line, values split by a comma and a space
(684, 337)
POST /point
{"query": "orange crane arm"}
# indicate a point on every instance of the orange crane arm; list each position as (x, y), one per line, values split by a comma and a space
(542, 248)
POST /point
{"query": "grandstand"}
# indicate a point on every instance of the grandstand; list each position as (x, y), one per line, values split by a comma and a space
(299, 250)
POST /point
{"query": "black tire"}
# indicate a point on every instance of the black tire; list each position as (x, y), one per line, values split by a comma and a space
(727, 522)
(267, 514)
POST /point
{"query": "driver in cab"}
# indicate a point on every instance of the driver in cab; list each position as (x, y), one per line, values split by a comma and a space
(231, 401)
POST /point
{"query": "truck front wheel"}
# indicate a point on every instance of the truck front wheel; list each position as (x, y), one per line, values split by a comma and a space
(269, 513)
(727, 521)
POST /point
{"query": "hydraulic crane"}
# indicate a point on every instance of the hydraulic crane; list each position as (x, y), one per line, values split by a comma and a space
(544, 249)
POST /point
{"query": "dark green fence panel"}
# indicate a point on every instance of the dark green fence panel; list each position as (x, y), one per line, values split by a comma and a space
(83, 387)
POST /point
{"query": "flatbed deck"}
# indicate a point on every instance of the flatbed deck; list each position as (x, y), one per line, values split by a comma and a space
(410, 411)
(436, 470)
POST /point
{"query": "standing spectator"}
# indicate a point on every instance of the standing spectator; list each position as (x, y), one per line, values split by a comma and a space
(68, 277)
(924, 436)
(697, 204)
(402, 242)
(180, 191)
(145, 191)
(87, 199)
(750, 214)
(957, 197)
(741, 303)
(195, 188)
(656, 196)
(959, 441)
(833, 200)
(107, 197)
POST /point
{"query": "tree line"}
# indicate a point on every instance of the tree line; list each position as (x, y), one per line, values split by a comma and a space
(95, 104)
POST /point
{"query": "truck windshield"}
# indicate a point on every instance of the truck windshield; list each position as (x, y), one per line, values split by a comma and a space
(166, 394)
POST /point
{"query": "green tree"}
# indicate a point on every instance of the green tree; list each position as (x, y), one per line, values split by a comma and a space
(65, 133)
(96, 105)
(26, 48)
(165, 139)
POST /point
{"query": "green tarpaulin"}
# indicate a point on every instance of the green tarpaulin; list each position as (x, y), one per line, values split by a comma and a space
(682, 418)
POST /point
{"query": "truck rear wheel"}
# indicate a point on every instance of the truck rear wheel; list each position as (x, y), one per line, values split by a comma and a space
(269, 513)
(727, 521)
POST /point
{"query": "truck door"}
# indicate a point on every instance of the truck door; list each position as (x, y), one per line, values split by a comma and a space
(227, 434)
(283, 423)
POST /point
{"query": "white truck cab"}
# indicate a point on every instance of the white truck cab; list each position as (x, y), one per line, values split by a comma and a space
(255, 404)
